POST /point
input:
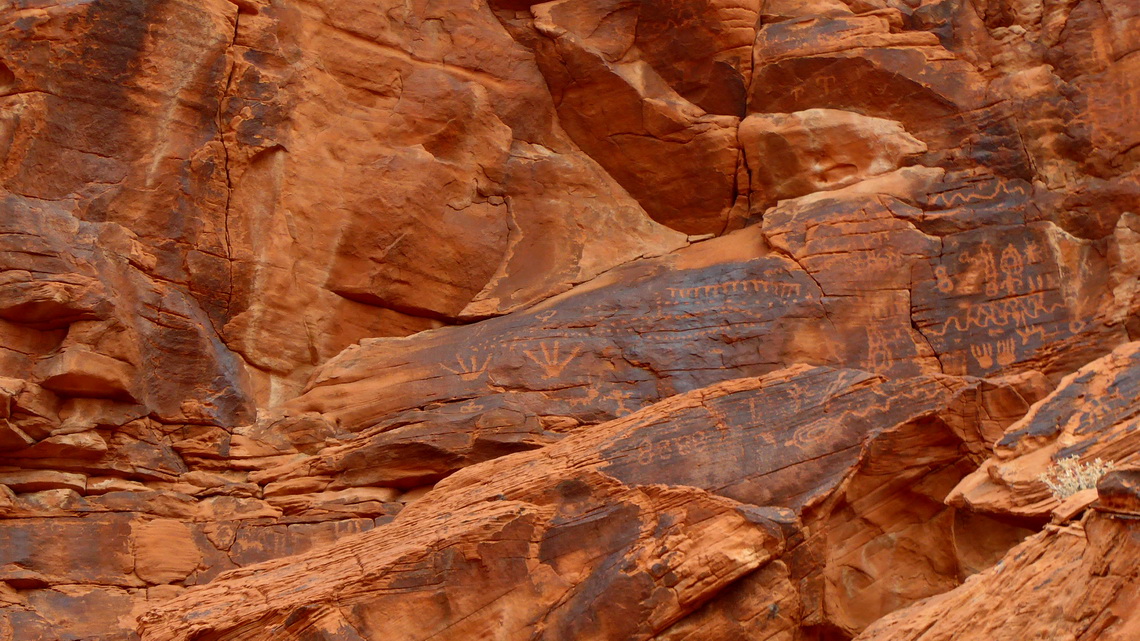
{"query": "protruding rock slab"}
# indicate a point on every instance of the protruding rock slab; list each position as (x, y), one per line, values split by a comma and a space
(616, 86)
(791, 155)
(610, 512)
(1092, 414)
(858, 280)
(1078, 581)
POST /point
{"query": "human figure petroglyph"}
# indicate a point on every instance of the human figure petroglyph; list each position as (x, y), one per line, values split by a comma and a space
(1004, 274)
(981, 261)
(720, 418)
(985, 261)
(1012, 269)
(879, 353)
(761, 415)
(620, 397)
(1032, 252)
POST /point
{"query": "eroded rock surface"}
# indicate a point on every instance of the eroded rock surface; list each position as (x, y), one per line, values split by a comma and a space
(674, 319)
(1093, 413)
(1078, 580)
(848, 461)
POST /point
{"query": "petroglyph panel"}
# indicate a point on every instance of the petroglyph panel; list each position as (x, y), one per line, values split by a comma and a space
(989, 192)
(992, 299)
(748, 445)
(479, 391)
(698, 320)
(861, 251)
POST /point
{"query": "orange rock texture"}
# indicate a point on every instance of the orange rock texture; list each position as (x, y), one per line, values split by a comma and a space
(685, 320)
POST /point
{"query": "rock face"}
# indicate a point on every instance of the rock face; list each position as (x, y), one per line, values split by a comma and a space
(1075, 581)
(664, 319)
(654, 514)
(1076, 578)
(1092, 414)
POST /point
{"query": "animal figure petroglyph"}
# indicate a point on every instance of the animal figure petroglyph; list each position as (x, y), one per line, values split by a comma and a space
(471, 367)
(550, 359)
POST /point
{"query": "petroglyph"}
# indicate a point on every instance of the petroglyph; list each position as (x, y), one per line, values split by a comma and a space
(1027, 333)
(1006, 352)
(984, 354)
(980, 192)
(1016, 313)
(880, 356)
(471, 367)
(549, 358)
(983, 261)
(1012, 268)
(944, 284)
(735, 287)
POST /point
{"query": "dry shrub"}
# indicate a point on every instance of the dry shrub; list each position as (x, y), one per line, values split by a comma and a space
(1069, 476)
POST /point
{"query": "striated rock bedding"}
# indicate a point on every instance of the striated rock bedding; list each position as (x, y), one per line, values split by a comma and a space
(686, 320)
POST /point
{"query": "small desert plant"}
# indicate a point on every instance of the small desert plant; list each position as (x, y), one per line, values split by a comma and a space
(1069, 476)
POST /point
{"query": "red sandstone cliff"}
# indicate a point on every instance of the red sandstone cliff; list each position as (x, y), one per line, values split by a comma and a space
(655, 319)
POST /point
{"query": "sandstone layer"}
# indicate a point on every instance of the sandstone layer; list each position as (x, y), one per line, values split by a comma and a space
(657, 319)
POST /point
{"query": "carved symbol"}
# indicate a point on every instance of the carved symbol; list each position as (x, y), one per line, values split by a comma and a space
(984, 354)
(1028, 332)
(469, 368)
(549, 359)
(471, 407)
(646, 452)
(1006, 351)
(989, 271)
(720, 419)
(1013, 267)
(620, 397)
(589, 399)
(547, 315)
(945, 285)
(879, 350)
(1040, 282)
(784, 290)
(983, 260)
(1032, 252)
